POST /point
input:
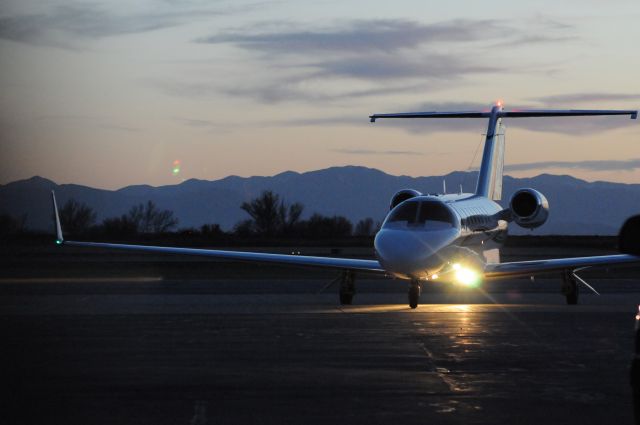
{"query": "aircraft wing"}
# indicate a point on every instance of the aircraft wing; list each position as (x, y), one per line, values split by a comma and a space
(534, 267)
(371, 266)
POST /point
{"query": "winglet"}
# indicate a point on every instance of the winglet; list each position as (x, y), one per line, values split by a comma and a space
(59, 238)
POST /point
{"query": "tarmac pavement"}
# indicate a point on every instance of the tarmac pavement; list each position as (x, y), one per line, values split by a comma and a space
(275, 352)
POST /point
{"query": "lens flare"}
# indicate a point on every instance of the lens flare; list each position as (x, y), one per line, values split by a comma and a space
(176, 167)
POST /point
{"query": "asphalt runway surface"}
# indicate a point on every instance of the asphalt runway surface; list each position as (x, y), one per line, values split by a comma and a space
(153, 351)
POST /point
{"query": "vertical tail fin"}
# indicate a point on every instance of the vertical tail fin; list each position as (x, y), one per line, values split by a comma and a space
(490, 176)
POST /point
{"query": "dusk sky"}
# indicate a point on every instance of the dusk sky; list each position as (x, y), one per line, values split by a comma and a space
(109, 94)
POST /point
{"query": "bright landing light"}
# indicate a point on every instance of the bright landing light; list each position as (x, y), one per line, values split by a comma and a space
(467, 277)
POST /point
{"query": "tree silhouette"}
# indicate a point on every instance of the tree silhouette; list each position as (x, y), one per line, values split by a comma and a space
(291, 219)
(270, 216)
(10, 225)
(265, 212)
(211, 230)
(76, 217)
(149, 219)
(321, 227)
(141, 218)
(119, 226)
(364, 227)
(244, 228)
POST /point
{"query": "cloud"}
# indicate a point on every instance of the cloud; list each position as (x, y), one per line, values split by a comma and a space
(184, 89)
(197, 123)
(371, 50)
(578, 126)
(374, 152)
(123, 128)
(292, 90)
(592, 165)
(285, 90)
(342, 120)
(536, 39)
(387, 35)
(547, 23)
(594, 97)
(90, 21)
(383, 67)
(208, 126)
(316, 63)
(346, 78)
(88, 121)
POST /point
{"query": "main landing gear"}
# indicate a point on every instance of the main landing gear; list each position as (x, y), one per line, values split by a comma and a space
(414, 293)
(570, 287)
(347, 287)
(347, 280)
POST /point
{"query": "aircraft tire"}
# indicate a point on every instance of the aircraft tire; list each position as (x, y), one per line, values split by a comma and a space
(570, 288)
(414, 294)
(347, 288)
(345, 298)
(572, 297)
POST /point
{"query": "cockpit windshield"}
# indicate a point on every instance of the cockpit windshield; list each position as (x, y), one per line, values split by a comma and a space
(426, 214)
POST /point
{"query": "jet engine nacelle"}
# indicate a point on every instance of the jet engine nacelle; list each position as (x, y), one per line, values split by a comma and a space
(402, 196)
(529, 208)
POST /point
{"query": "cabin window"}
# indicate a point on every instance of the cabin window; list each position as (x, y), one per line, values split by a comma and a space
(406, 211)
(434, 211)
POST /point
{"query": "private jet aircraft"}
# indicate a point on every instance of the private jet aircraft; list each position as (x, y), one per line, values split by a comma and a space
(447, 237)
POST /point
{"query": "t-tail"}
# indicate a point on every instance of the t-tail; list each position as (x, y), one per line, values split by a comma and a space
(490, 176)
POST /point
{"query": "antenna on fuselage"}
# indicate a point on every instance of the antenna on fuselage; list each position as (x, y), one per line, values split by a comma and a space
(444, 187)
(490, 176)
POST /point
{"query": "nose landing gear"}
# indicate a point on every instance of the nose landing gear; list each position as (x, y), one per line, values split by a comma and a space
(414, 293)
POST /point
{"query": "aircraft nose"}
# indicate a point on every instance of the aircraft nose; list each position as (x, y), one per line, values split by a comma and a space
(412, 253)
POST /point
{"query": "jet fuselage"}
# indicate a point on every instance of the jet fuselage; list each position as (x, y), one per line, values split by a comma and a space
(424, 234)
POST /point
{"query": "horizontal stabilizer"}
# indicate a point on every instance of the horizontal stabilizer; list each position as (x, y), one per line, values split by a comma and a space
(462, 114)
(522, 113)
